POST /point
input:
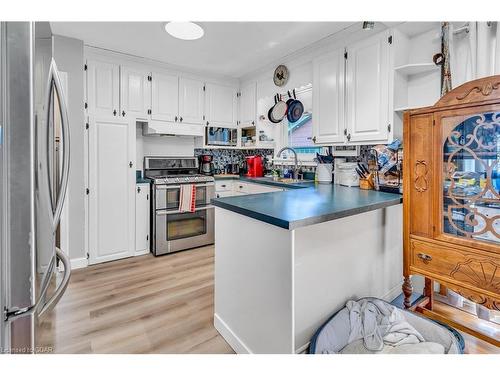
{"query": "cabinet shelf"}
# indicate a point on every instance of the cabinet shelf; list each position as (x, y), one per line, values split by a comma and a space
(412, 69)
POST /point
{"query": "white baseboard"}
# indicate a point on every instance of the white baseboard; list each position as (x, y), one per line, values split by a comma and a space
(393, 293)
(234, 341)
(141, 252)
(79, 263)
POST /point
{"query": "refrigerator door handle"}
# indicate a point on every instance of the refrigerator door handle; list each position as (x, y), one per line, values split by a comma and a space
(55, 81)
(62, 286)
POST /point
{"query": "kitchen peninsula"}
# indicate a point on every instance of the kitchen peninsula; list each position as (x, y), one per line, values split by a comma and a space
(284, 261)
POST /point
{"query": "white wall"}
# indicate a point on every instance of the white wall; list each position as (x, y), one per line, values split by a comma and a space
(68, 54)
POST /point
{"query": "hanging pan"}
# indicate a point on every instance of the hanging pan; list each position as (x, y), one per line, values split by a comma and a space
(279, 110)
(295, 109)
(270, 112)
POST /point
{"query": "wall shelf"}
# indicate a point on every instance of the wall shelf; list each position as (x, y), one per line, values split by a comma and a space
(412, 69)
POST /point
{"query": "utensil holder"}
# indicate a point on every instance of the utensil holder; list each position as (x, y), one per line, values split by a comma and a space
(366, 183)
(324, 173)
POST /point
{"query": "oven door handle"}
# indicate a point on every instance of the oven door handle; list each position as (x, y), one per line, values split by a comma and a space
(170, 187)
(168, 212)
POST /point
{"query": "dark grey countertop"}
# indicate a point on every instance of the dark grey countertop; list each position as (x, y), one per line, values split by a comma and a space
(306, 203)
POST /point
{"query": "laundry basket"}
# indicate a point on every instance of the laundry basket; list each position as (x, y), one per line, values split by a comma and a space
(332, 337)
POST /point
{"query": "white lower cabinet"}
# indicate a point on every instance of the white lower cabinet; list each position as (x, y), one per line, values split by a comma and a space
(142, 207)
(229, 188)
(111, 189)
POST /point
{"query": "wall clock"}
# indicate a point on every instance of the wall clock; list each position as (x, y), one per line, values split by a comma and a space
(280, 75)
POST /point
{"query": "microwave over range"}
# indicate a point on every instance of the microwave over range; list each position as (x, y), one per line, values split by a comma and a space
(219, 136)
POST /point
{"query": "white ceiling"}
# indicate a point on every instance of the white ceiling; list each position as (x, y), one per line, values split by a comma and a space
(227, 48)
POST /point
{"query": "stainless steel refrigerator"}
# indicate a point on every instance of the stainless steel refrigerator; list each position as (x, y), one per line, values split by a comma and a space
(34, 170)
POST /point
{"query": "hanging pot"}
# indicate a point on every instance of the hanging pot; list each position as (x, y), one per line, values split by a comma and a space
(279, 110)
(295, 109)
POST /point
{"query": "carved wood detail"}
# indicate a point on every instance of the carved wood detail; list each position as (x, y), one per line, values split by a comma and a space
(480, 299)
(486, 90)
(478, 272)
(421, 170)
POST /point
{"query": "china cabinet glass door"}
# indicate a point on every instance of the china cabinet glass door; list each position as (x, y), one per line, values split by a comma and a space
(471, 177)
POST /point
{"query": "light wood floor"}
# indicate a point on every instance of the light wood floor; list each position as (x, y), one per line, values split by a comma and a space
(147, 305)
(138, 305)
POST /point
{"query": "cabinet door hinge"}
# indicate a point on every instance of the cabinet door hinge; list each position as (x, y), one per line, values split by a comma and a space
(149, 111)
(150, 78)
(87, 125)
(88, 256)
(147, 197)
(147, 237)
(87, 191)
(85, 105)
(345, 55)
(204, 88)
(203, 117)
(85, 67)
(389, 128)
(389, 39)
(433, 122)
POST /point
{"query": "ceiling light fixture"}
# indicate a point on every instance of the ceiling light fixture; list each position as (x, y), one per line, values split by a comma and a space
(368, 25)
(184, 30)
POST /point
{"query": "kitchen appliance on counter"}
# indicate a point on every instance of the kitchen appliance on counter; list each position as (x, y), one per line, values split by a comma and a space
(219, 136)
(254, 166)
(207, 164)
(171, 229)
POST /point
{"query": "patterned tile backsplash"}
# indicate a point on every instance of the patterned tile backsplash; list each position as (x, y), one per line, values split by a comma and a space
(222, 157)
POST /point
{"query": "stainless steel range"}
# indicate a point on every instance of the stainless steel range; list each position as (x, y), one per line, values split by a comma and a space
(171, 229)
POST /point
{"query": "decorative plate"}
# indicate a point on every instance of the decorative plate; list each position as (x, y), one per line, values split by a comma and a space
(280, 75)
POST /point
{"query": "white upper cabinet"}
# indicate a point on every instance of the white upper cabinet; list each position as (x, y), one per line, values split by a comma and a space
(103, 88)
(191, 101)
(220, 105)
(135, 93)
(367, 89)
(165, 97)
(248, 103)
(328, 98)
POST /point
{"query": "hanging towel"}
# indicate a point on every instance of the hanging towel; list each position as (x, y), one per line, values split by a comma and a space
(187, 199)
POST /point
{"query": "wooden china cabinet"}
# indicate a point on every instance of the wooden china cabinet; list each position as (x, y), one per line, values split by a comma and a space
(452, 195)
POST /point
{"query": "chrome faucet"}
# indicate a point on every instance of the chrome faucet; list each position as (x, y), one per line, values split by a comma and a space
(295, 169)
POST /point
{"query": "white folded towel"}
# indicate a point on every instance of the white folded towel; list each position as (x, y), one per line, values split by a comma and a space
(187, 199)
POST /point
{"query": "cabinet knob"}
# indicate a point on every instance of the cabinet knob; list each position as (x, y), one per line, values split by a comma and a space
(123, 113)
(130, 164)
(425, 258)
(175, 118)
(207, 122)
(349, 136)
(314, 139)
(138, 189)
(114, 112)
(180, 119)
(253, 122)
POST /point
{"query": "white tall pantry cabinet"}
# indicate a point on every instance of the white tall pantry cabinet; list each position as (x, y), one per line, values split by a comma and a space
(111, 188)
